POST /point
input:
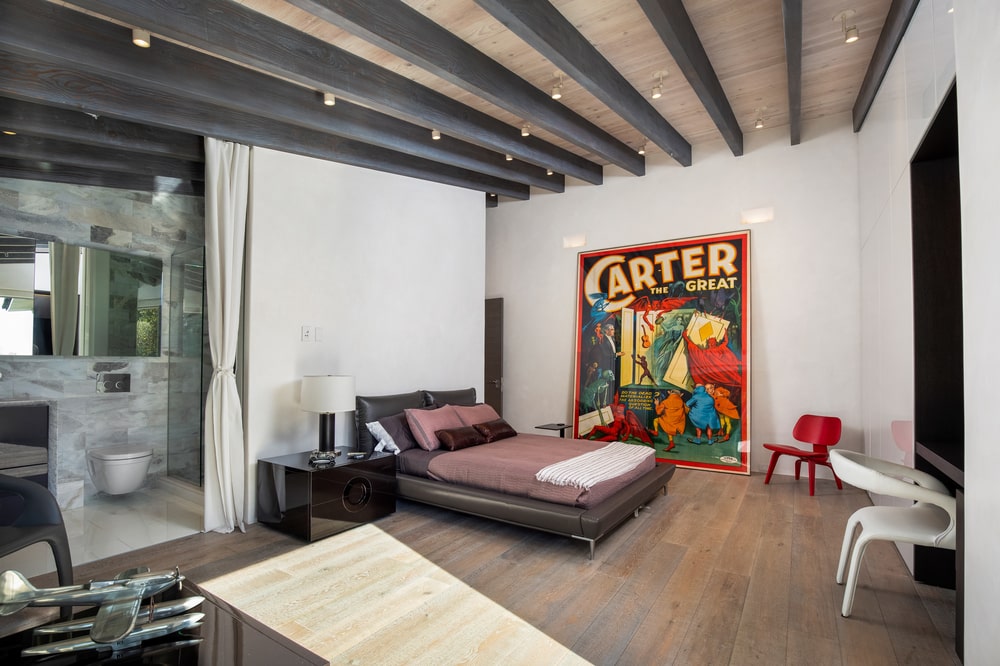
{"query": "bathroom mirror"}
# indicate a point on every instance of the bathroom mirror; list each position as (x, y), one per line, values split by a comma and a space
(65, 300)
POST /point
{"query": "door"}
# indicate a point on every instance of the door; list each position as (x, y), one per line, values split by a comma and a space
(493, 357)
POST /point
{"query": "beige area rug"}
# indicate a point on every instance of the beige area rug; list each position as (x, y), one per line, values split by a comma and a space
(361, 597)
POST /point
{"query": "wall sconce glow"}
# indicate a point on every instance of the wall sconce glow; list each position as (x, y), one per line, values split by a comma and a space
(141, 38)
(329, 99)
(757, 215)
(576, 240)
(10, 132)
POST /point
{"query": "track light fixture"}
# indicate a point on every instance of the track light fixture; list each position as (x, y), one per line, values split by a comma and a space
(759, 114)
(436, 135)
(525, 131)
(850, 33)
(642, 149)
(557, 88)
(548, 172)
(329, 99)
(508, 157)
(141, 38)
(759, 124)
(658, 88)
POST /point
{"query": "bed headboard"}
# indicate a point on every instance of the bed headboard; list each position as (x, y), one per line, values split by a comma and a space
(370, 408)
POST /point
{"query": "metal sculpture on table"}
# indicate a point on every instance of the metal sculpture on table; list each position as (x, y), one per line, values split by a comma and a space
(121, 620)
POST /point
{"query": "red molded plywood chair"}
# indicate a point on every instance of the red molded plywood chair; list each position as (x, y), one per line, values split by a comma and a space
(820, 431)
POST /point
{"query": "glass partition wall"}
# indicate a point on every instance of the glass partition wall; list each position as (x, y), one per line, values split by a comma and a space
(188, 373)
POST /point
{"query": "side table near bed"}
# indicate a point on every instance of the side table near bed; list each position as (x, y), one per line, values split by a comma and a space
(561, 427)
(316, 501)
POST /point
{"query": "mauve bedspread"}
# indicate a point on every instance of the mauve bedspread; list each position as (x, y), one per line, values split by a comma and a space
(509, 466)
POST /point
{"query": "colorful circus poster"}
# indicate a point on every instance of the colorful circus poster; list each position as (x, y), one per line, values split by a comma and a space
(662, 349)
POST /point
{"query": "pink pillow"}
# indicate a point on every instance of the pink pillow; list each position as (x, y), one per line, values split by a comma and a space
(424, 425)
(473, 414)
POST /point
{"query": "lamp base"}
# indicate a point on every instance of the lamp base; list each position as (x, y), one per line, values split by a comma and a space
(327, 435)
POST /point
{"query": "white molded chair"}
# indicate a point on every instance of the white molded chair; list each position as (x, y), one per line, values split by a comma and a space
(928, 522)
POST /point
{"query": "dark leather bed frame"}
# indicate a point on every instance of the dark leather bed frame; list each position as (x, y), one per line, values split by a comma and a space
(585, 524)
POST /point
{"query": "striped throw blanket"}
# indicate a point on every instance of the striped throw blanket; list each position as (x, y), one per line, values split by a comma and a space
(589, 469)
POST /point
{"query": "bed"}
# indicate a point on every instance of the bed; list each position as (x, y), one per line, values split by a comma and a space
(602, 508)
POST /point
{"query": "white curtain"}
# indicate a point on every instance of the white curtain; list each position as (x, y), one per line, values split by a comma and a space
(227, 184)
(64, 272)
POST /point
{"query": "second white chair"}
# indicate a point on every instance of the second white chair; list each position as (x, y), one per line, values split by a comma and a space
(928, 522)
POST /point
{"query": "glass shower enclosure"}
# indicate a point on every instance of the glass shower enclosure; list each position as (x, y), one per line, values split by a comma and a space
(188, 373)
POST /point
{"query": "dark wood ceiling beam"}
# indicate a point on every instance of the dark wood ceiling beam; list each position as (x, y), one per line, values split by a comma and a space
(234, 32)
(547, 31)
(405, 32)
(672, 23)
(60, 85)
(53, 172)
(896, 22)
(791, 14)
(52, 123)
(67, 36)
(25, 147)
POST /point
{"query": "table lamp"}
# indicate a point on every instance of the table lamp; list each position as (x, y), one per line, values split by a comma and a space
(327, 394)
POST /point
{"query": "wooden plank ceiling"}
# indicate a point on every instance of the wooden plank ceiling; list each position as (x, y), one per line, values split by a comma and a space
(87, 106)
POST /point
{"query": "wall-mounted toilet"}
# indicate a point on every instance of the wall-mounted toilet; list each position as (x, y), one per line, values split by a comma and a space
(117, 470)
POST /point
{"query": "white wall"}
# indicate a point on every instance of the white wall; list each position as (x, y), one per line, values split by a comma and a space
(939, 45)
(914, 87)
(804, 273)
(391, 269)
(977, 38)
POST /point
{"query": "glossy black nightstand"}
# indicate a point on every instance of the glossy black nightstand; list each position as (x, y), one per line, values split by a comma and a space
(316, 501)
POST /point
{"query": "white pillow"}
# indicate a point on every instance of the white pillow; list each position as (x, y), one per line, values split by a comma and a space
(385, 441)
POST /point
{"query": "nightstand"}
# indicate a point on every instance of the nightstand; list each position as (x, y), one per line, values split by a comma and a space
(312, 502)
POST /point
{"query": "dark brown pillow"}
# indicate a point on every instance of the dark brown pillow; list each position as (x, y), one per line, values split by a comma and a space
(399, 430)
(496, 429)
(454, 439)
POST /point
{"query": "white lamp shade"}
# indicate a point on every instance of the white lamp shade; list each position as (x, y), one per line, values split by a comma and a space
(328, 394)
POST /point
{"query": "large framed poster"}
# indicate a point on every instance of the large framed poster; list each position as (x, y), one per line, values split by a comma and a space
(662, 349)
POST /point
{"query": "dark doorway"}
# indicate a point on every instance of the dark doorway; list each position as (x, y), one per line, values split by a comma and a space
(493, 363)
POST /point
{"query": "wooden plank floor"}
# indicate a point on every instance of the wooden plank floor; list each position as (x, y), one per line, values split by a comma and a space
(723, 570)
